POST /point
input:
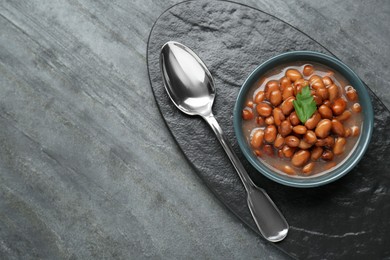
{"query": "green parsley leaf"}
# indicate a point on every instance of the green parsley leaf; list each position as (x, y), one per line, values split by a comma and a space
(304, 104)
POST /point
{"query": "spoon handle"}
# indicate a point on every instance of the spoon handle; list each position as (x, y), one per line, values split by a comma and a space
(229, 150)
(269, 220)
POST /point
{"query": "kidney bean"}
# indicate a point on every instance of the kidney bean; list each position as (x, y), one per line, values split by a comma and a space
(333, 92)
(270, 133)
(284, 83)
(316, 153)
(285, 128)
(247, 114)
(355, 131)
(299, 84)
(270, 120)
(344, 116)
(300, 129)
(298, 89)
(326, 103)
(300, 158)
(312, 122)
(259, 97)
(287, 105)
(258, 152)
(293, 74)
(327, 141)
(327, 81)
(260, 121)
(351, 93)
(264, 109)
(304, 145)
(288, 151)
(278, 116)
(330, 165)
(271, 86)
(310, 137)
(348, 132)
(323, 93)
(249, 104)
(339, 145)
(308, 168)
(356, 108)
(288, 92)
(257, 138)
(268, 149)
(288, 169)
(316, 82)
(294, 120)
(320, 142)
(337, 127)
(327, 155)
(338, 106)
(292, 141)
(317, 99)
(308, 70)
(280, 153)
(275, 97)
(325, 112)
(279, 141)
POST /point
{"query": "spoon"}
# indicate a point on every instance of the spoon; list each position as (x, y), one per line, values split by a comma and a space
(190, 86)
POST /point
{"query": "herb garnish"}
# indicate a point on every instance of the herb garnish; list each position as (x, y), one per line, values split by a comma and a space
(304, 104)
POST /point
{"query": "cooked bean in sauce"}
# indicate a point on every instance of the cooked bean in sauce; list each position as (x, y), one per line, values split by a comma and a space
(281, 140)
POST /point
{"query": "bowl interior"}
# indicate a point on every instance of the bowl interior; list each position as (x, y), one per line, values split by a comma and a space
(364, 100)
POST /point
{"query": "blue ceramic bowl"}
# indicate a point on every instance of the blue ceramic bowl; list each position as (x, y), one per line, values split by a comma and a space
(365, 133)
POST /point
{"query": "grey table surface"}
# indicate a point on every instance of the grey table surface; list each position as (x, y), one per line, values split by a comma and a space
(88, 168)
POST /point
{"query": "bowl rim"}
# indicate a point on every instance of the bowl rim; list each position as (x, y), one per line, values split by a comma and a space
(364, 100)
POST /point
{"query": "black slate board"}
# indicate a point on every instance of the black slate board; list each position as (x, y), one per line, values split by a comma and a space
(347, 219)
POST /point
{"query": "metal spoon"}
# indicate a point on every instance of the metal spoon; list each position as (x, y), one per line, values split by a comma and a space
(191, 88)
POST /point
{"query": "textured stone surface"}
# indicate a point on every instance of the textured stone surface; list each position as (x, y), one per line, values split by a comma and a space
(335, 221)
(88, 168)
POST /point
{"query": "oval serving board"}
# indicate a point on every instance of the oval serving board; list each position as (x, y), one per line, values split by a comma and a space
(346, 219)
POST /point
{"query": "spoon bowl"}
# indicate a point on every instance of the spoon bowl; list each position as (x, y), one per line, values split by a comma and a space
(190, 86)
(182, 67)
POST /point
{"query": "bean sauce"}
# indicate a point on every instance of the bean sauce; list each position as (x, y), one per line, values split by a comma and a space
(277, 136)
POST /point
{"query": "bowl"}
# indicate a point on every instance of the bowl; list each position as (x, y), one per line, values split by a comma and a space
(343, 167)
